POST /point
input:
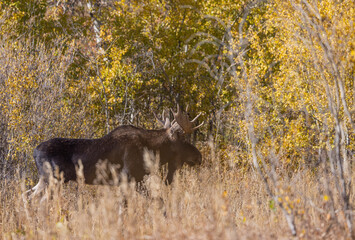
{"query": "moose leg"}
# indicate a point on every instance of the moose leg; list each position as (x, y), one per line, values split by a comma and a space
(133, 164)
(169, 178)
(36, 190)
(41, 185)
(46, 174)
(172, 167)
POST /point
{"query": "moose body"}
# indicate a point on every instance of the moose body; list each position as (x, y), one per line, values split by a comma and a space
(124, 147)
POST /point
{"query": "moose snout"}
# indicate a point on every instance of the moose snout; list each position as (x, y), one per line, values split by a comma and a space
(196, 160)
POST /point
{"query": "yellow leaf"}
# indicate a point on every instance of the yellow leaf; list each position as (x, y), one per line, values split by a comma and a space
(326, 198)
(225, 193)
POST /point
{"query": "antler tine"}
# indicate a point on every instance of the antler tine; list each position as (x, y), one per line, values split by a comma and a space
(198, 126)
(193, 120)
(174, 113)
(181, 121)
(164, 122)
(158, 119)
(187, 108)
(178, 113)
(167, 123)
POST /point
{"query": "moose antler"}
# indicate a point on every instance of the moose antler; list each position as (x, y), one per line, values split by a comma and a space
(181, 119)
(167, 124)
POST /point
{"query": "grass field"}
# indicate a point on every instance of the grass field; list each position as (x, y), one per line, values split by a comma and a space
(209, 202)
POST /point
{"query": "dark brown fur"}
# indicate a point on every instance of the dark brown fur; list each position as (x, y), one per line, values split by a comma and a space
(124, 146)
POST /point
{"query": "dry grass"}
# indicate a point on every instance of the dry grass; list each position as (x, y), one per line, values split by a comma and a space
(211, 202)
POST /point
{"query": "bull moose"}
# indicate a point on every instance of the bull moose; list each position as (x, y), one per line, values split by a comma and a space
(124, 146)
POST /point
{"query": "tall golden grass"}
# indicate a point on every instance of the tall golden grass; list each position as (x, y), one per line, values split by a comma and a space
(209, 202)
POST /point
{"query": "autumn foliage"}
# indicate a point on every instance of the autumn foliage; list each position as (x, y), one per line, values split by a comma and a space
(273, 79)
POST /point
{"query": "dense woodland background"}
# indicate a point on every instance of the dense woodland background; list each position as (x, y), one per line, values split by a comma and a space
(274, 80)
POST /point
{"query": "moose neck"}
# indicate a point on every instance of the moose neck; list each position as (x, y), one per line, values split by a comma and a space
(155, 139)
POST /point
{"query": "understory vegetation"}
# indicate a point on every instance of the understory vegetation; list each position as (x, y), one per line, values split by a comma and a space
(273, 79)
(210, 202)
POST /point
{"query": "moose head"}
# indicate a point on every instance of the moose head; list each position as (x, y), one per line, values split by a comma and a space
(123, 147)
